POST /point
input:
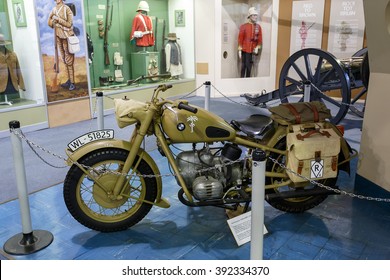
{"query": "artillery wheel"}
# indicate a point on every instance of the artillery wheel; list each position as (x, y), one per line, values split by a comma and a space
(358, 109)
(328, 81)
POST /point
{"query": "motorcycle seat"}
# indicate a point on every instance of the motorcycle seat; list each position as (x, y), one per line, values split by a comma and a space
(254, 125)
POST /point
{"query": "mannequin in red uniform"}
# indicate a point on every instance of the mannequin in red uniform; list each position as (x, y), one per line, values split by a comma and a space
(250, 40)
(142, 28)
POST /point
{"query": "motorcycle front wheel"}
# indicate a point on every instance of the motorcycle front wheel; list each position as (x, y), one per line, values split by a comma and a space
(296, 204)
(91, 204)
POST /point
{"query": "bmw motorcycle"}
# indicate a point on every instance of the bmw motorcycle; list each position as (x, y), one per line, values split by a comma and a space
(112, 184)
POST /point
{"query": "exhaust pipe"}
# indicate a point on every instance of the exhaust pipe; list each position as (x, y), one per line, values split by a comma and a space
(301, 193)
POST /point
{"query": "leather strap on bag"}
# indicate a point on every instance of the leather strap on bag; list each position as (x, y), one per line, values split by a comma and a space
(310, 133)
(316, 116)
(300, 167)
(294, 112)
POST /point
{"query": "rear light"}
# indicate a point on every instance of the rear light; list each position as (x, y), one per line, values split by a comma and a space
(340, 128)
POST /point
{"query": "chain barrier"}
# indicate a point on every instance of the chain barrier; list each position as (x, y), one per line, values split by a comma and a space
(327, 187)
(228, 98)
(191, 92)
(341, 103)
(94, 171)
(34, 146)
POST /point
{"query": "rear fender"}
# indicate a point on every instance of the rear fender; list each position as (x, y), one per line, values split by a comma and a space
(123, 145)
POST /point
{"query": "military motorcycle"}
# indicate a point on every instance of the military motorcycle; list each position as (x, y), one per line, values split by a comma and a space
(112, 184)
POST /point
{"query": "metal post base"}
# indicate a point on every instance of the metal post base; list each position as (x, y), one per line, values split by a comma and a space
(25, 244)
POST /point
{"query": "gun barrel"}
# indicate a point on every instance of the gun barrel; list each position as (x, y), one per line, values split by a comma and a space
(106, 29)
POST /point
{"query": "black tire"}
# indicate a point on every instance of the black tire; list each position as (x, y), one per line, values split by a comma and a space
(90, 205)
(292, 205)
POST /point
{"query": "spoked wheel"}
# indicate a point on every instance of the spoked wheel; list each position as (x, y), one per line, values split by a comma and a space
(358, 102)
(324, 73)
(296, 204)
(91, 203)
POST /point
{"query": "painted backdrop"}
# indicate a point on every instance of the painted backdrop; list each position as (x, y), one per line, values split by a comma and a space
(46, 35)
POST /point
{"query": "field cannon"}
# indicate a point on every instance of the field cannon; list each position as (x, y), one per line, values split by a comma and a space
(316, 75)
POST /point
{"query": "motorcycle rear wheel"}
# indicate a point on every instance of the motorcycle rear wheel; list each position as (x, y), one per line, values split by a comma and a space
(292, 205)
(91, 205)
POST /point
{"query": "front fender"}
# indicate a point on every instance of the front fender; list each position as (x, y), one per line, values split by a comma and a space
(123, 145)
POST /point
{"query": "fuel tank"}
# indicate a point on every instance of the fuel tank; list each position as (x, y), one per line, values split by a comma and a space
(187, 127)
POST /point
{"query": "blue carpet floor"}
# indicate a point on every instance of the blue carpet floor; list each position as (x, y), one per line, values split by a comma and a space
(340, 228)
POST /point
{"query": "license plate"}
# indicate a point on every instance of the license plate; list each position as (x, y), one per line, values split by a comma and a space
(90, 137)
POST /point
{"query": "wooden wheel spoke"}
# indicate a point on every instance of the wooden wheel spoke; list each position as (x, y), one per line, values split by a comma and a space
(318, 69)
(358, 96)
(293, 81)
(308, 67)
(329, 99)
(325, 77)
(299, 72)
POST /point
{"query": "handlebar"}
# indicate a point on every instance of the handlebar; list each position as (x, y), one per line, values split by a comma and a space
(162, 88)
(187, 107)
(180, 105)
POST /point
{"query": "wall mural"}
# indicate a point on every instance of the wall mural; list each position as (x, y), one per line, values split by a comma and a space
(62, 43)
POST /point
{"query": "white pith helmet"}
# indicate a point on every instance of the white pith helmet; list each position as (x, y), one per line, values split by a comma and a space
(252, 11)
(143, 6)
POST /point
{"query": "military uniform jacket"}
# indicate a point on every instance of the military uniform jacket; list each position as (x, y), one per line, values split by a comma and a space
(249, 37)
(9, 65)
(64, 25)
(144, 24)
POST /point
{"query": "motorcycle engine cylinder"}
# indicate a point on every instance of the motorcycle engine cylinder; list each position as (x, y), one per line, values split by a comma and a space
(205, 188)
(231, 151)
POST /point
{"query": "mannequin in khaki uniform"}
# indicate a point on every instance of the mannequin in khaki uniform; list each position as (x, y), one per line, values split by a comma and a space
(61, 18)
(11, 79)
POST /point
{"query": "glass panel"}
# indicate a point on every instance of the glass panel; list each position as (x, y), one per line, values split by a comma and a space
(246, 38)
(19, 71)
(128, 41)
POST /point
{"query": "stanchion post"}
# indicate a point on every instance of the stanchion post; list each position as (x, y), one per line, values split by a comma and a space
(207, 95)
(100, 110)
(307, 90)
(28, 241)
(257, 211)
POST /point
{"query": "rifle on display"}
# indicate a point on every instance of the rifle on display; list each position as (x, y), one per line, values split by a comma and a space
(143, 77)
(155, 35)
(54, 85)
(109, 10)
(135, 81)
(163, 67)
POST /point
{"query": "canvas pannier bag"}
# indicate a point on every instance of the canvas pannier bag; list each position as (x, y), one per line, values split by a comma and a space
(312, 152)
(73, 44)
(301, 112)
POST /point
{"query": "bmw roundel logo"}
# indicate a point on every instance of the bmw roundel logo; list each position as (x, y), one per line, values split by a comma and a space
(181, 126)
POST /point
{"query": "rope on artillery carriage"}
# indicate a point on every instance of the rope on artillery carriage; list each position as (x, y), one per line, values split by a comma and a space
(35, 146)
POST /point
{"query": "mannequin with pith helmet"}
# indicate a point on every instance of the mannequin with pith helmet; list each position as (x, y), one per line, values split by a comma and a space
(142, 27)
(250, 40)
